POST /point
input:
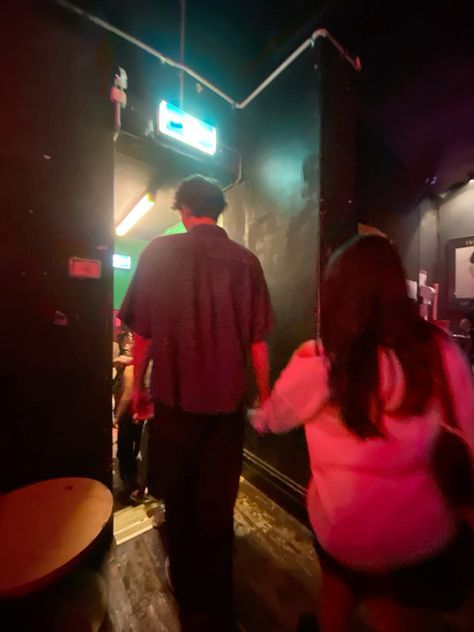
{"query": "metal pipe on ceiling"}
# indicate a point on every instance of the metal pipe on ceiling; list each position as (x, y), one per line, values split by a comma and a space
(182, 43)
(240, 105)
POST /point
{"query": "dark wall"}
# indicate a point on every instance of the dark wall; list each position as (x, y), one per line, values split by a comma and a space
(56, 199)
(388, 195)
(298, 142)
(279, 201)
(456, 219)
(397, 199)
(429, 240)
(339, 115)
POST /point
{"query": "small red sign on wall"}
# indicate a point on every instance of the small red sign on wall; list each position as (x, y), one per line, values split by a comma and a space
(85, 268)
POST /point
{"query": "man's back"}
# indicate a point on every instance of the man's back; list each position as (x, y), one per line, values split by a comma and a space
(203, 301)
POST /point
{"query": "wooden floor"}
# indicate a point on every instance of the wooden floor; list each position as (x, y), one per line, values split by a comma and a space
(276, 581)
(276, 576)
(276, 573)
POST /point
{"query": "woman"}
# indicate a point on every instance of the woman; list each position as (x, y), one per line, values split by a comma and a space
(371, 400)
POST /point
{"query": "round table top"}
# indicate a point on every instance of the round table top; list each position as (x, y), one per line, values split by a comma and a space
(45, 527)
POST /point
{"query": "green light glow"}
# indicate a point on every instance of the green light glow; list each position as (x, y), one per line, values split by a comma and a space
(176, 229)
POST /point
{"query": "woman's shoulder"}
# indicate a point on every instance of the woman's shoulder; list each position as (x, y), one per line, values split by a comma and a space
(309, 349)
(307, 365)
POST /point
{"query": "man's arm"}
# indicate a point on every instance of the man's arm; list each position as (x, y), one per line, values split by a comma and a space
(261, 325)
(261, 369)
(141, 359)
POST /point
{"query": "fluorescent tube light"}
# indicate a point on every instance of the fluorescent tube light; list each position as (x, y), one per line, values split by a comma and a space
(135, 215)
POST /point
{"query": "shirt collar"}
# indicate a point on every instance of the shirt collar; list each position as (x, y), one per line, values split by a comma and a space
(210, 229)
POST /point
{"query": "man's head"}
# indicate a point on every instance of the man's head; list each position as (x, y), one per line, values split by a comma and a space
(199, 200)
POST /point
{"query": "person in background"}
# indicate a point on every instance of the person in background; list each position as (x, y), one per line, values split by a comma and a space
(199, 304)
(129, 429)
(121, 358)
(143, 417)
(466, 327)
(373, 396)
(115, 354)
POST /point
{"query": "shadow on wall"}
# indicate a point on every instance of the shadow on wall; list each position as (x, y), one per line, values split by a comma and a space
(285, 241)
(455, 220)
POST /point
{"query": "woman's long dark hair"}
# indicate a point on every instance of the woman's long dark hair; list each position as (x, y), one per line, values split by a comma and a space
(365, 305)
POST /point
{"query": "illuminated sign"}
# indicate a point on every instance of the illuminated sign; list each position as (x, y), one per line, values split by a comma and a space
(121, 262)
(186, 128)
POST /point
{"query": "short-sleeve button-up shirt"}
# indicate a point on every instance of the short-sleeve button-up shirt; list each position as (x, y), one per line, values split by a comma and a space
(202, 300)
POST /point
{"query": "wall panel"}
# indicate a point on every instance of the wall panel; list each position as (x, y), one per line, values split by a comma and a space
(297, 139)
(56, 167)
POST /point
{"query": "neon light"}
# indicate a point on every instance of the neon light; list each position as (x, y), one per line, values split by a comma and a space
(186, 128)
(137, 212)
(121, 262)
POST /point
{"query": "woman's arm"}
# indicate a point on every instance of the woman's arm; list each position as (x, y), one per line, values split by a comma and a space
(261, 369)
(298, 394)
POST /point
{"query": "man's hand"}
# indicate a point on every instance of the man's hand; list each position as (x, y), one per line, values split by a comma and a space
(258, 422)
(261, 368)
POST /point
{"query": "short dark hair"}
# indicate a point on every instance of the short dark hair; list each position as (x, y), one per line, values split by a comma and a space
(202, 196)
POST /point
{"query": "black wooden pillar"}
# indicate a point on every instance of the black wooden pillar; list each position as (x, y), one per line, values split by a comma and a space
(56, 183)
(338, 210)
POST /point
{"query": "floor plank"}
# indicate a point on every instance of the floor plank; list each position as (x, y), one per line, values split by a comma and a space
(277, 579)
(276, 572)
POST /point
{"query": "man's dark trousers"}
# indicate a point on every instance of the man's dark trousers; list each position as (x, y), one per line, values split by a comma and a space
(196, 461)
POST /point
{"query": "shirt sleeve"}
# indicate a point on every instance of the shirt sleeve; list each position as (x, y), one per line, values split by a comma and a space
(261, 316)
(136, 307)
(298, 395)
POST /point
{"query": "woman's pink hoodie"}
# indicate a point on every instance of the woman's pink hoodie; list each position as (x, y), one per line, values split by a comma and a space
(373, 503)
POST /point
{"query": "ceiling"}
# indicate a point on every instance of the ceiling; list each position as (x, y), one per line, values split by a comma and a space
(235, 44)
(417, 82)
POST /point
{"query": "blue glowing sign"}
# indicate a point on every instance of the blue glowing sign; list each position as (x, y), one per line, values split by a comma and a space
(121, 262)
(186, 128)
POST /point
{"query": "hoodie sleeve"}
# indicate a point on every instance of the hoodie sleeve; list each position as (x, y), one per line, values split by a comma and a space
(298, 394)
(460, 380)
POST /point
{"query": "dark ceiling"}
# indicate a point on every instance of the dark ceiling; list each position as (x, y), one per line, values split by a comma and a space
(236, 43)
(417, 82)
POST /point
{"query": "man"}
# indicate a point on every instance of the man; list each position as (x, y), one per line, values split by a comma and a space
(200, 306)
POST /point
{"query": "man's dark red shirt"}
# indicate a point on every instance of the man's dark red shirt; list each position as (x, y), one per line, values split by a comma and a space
(203, 300)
